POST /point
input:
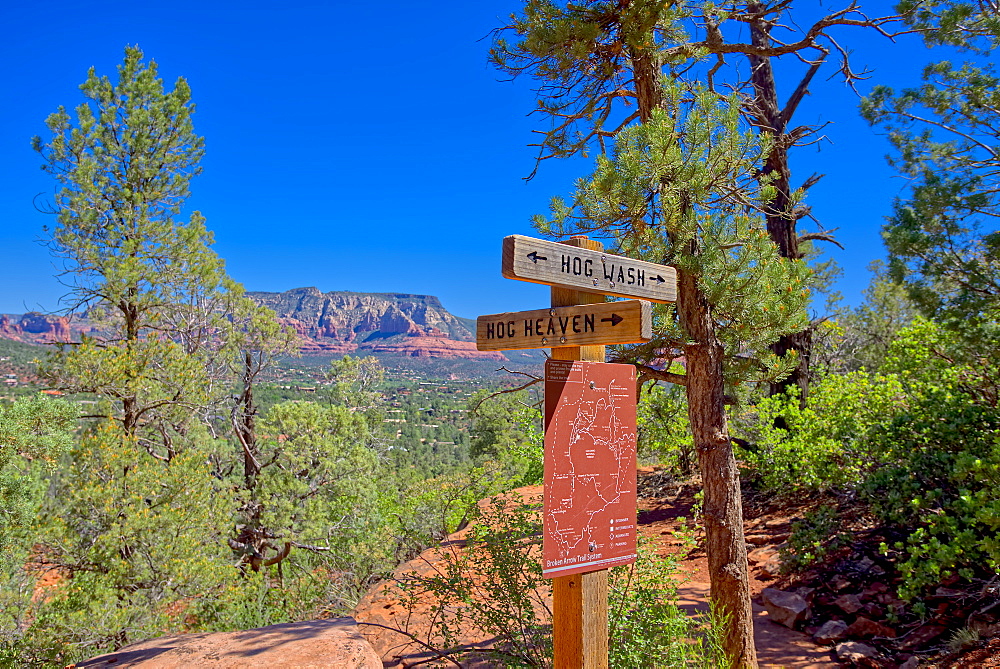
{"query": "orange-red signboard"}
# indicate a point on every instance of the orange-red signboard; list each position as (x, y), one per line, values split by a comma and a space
(590, 483)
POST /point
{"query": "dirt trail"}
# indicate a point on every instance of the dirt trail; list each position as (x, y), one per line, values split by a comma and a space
(659, 511)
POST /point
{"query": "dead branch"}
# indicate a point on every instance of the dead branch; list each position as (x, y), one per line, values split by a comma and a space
(819, 237)
(661, 375)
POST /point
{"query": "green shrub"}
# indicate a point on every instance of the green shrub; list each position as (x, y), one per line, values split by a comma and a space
(813, 538)
(823, 445)
(664, 433)
(940, 486)
(495, 585)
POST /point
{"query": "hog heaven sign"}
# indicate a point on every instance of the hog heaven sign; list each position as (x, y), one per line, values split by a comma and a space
(626, 322)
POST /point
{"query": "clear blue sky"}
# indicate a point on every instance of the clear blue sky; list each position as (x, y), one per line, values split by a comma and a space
(367, 146)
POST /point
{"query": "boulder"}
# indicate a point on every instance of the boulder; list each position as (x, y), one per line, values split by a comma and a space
(785, 608)
(830, 632)
(855, 651)
(766, 561)
(333, 643)
(866, 628)
(848, 603)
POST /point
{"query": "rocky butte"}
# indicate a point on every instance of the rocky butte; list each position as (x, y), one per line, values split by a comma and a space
(394, 324)
(335, 323)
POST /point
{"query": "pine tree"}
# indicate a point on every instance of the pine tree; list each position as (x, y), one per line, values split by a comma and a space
(598, 64)
(170, 321)
(943, 237)
(679, 190)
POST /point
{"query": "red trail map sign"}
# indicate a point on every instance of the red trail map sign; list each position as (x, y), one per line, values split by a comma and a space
(590, 483)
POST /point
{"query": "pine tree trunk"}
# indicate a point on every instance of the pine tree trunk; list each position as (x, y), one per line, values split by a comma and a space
(781, 219)
(723, 507)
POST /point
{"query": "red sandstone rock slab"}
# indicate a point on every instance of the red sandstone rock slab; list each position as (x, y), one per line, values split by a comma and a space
(332, 644)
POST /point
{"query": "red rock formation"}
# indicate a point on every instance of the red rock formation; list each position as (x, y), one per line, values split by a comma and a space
(394, 324)
(36, 328)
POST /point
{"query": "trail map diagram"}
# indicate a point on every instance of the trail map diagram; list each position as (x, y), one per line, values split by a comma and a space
(590, 483)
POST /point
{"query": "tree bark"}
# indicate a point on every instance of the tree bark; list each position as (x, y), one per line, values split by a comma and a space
(781, 220)
(723, 506)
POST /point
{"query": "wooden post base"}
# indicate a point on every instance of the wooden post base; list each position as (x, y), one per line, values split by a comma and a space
(580, 620)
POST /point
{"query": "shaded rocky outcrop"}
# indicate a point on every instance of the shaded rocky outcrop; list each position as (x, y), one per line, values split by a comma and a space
(333, 643)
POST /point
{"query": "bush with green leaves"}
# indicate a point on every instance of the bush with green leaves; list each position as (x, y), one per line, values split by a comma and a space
(824, 444)
(507, 428)
(493, 586)
(919, 443)
(32, 429)
(663, 429)
(939, 489)
(134, 538)
(812, 538)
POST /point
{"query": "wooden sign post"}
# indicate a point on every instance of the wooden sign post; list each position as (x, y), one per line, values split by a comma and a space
(579, 601)
(576, 327)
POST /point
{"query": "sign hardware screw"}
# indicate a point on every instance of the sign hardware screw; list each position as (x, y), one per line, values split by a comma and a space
(562, 340)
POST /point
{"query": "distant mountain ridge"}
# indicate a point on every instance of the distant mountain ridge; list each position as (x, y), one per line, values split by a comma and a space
(395, 324)
(329, 324)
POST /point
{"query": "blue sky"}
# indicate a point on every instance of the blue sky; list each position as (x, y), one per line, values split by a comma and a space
(368, 146)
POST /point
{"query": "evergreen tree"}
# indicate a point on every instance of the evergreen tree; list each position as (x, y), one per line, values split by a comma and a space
(162, 302)
(944, 234)
(598, 64)
(678, 190)
(30, 429)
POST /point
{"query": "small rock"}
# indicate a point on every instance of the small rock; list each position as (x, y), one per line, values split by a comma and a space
(767, 562)
(759, 539)
(922, 635)
(805, 592)
(855, 651)
(876, 588)
(873, 610)
(785, 608)
(830, 632)
(867, 628)
(911, 663)
(838, 582)
(848, 603)
(948, 593)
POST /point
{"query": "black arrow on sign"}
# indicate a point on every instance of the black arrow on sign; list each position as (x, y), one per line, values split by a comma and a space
(659, 279)
(614, 320)
(535, 257)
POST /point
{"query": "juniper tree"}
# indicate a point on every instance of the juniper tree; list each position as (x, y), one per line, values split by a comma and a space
(30, 429)
(944, 234)
(679, 189)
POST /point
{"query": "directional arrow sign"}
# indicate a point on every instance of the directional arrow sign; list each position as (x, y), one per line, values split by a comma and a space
(581, 325)
(556, 264)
